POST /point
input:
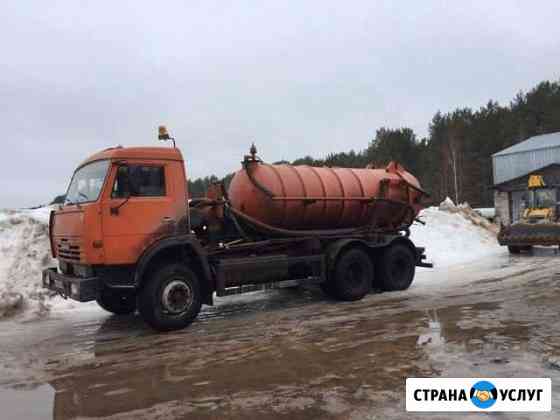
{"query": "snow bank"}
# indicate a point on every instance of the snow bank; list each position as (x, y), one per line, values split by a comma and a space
(24, 252)
(455, 234)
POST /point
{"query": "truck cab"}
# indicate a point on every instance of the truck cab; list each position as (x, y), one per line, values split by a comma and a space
(119, 202)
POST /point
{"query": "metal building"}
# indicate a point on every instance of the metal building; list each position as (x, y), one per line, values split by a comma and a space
(512, 167)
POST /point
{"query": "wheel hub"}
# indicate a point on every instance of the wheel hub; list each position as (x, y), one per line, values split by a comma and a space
(177, 297)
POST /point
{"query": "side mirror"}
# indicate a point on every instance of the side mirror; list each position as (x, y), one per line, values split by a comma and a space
(121, 188)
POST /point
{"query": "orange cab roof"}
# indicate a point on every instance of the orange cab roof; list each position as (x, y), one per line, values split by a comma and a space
(145, 153)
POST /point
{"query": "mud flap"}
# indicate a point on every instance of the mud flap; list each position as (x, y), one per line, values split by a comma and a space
(420, 257)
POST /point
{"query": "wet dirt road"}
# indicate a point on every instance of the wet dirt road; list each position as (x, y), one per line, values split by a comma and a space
(293, 354)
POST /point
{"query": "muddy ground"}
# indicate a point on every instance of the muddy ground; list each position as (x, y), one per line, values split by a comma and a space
(293, 354)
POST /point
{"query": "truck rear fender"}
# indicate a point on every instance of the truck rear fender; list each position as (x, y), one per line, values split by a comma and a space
(181, 248)
(406, 241)
(336, 248)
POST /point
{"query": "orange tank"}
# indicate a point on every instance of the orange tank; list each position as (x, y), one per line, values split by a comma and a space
(305, 197)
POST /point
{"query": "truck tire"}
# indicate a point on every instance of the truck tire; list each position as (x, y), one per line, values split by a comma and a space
(395, 267)
(171, 298)
(117, 303)
(351, 278)
(327, 289)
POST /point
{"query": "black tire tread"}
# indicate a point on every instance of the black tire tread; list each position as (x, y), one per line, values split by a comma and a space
(148, 299)
(338, 287)
(384, 275)
(117, 303)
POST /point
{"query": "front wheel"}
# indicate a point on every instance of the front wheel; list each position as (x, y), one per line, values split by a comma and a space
(171, 298)
(117, 303)
(395, 267)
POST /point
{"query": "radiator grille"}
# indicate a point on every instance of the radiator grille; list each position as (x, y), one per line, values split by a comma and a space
(68, 250)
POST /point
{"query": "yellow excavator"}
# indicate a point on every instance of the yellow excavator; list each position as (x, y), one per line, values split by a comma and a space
(539, 224)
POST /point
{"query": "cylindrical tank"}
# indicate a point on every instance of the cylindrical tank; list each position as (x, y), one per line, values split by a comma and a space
(305, 197)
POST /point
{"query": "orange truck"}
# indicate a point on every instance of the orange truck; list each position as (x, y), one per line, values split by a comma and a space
(129, 236)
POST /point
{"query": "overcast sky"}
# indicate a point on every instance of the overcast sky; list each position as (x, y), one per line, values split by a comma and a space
(295, 77)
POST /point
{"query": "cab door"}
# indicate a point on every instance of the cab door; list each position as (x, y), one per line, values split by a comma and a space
(138, 209)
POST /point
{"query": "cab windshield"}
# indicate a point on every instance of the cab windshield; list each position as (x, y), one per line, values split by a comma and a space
(87, 182)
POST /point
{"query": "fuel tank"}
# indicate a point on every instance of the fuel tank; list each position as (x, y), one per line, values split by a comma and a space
(305, 197)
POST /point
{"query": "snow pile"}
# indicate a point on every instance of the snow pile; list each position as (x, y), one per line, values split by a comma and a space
(24, 252)
(455, 234)
(475, 216)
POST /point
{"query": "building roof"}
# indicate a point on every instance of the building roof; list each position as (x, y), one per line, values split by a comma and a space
(544, 141)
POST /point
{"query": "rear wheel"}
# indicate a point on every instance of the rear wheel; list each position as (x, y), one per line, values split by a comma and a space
(395, 267)
(171, 298)
(327, 289)
(351, 278)
(118, 303)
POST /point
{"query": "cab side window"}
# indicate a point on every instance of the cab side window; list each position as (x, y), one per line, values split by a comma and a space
(139, 181)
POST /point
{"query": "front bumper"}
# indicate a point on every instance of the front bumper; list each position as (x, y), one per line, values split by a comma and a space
(77, 288)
